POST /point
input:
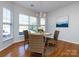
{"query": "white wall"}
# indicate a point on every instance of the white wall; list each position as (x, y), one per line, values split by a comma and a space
(70, 34)
(16, 9)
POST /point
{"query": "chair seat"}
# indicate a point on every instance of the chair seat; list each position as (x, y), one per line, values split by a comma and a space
(52, 42)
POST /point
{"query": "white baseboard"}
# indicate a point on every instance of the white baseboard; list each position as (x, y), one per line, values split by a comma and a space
(6, 47)
(23, 40)
(70, 41)
(10, 44)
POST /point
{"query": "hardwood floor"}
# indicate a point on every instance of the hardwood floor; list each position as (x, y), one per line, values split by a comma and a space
(62, 49)
(66, 49)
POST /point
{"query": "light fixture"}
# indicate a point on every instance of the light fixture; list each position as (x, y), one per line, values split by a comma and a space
(32, 5)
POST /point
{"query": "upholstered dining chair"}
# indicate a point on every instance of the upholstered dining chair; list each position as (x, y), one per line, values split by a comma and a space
(37, 44)
(53, 41)
(26, 37)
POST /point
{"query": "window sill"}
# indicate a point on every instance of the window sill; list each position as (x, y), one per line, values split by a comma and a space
(20, 36)
(7, 38)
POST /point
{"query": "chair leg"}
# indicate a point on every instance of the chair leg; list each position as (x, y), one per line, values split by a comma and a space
(43, 54)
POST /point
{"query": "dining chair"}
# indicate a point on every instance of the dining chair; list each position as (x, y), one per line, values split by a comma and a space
(37, 44)
(26, 37)
(53, 41)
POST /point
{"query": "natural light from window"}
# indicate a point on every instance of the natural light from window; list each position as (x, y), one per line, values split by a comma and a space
(6, 22)
(23, 23)
(33, 24)
(42, 23)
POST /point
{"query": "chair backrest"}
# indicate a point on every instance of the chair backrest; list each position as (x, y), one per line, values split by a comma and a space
(26, 36)
(56, 33)
(36, 43)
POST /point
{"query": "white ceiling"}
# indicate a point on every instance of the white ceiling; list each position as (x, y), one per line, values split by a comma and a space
(44, 6)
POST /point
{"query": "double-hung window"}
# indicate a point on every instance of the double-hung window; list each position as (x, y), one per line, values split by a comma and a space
(33, 24)
(23, 23)
(6, 23)
(42, 23)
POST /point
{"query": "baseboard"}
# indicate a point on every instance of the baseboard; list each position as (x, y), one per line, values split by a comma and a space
(15, 42)
(5, 47)
(11, 44)
(70, 41)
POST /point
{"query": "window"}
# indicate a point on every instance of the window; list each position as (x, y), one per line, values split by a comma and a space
(33, 24)
(42, 23)
(23, 23)
(6, 23)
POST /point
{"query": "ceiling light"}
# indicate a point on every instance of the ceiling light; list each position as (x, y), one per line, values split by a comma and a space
(32, 5)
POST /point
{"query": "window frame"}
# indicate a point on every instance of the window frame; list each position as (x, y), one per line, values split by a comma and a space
(32, 24)
(44, 24)
(8, 18)
(24, 25)
(29, 24)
